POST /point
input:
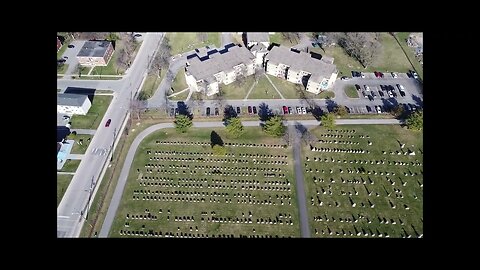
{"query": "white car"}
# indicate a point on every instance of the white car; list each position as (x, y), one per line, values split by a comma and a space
(400, 87)
(366, 87)
(379, 109)
(299, 111)
(394, 75)
(304, 111)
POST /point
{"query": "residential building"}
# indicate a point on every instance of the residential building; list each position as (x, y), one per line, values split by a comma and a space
(254, 38)
(301, 68)
(59, 44)
(73, 104)
(95, 53)
(207, 68)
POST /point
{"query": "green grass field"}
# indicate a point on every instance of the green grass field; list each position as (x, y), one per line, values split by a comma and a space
(182, 96)
(278, 38)
(402, 38)
(80, 149)
(351, 91)
(70, 165)
(179, 83)
(263, 90)
(63, 180)
(376, 184)
(92, 119)
(62, 69)
(216, 195)
(110, 69)
(187, 41)
(294, 91)
(152, 82)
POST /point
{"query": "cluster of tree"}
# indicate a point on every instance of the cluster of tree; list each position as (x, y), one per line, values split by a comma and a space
(125, 54)
(328, 120)
(365, 47)
(340, 110)
(182, 123)
(235, 127)
(274, 126)
(415, 121)
(162, 57)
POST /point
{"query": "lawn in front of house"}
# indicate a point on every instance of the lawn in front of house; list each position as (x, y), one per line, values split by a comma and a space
(187, 41)
(70, 165)
(351, 91)
(213, 202)
(93, 117)
(77, 148)
(182, 96)
(291, 90)
(63, 180)
(263, 90)
(337, 195)
(110, 69)
(62, 69)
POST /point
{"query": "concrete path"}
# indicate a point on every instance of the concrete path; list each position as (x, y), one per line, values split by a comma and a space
(250, 90)
(75, 156)
(72, 173)
(299, 179)
(278, 91)
(117, 195)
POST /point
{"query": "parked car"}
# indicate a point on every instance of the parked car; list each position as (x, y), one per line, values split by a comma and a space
(383, 87)
(238, 110)
(381, 93)
(304, 111)
(373, 94)
(370, 97)
(66, 57)
(216, 111)
(71, 46)
(290, 111)
(366, 87)
(402, 93)
(400, 87)
(379, 110)
(107, 124)
(285, 110)
(368, 108)
(249, 109)
(357, 87)
(364, 94)
(208, 111)
(344, 78)
(176, 110)
(394, 93)
(357, 74)
(348, 109)
(254, 110)
(414, 74)
(299, 111)
(378, 74)
(390, 94)
(394, 75)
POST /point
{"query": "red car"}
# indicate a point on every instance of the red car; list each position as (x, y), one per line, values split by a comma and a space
(108, 122)
(378, 74)
(285, 110)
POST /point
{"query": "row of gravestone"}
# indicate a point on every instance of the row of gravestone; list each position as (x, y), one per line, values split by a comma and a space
(338, 150)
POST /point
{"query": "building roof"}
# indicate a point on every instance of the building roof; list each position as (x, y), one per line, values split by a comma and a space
(258, 37)
(94, 48)
(71, 99)
(204, 64)
(298, 60)
(258, 47)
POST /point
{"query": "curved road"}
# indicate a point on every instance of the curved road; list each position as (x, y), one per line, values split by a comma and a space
(117, 196)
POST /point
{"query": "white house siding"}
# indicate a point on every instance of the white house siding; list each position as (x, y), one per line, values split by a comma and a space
(332, 79)
(86, 106)
(212, 89)
(191, 82)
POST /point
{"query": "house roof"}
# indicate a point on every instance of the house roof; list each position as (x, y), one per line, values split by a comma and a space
(258, 37)
(204, 64)
(71, 99)
(94, 48)
(258, 47)
(301, 61)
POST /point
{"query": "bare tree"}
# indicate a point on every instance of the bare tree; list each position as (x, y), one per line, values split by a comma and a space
(292, 37)
(365, 47)
(162, 57)
(135, 107)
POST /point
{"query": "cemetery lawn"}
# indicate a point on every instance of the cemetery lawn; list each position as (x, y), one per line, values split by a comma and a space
(383, 138)
(221, 209)
(63, 180)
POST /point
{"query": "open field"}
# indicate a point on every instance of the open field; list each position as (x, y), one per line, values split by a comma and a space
(63, 180)
(205, 195)
(290, 90)
(186, 41)
(367, 194)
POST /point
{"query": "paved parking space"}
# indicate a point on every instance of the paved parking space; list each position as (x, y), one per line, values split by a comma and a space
(71, 55)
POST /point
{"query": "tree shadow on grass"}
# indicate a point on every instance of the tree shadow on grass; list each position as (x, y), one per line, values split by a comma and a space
(215, 139)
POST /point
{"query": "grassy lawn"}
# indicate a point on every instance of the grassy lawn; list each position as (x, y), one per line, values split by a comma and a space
(181, 96)
(405, 190)
(70, 165)
(80, 149)
(63, 49)
(295, 91)
(402, 38)
(184, 42)
(152, 82)
(63, 180)
(92, 119)
(390, 59)
(62, 69)
(277, 38)
(103, 91)
(179, 82)
(219, 200)
(351, 91)
(83, 71)
(263, 90)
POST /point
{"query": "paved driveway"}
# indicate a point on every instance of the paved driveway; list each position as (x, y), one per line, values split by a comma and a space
(71, 53)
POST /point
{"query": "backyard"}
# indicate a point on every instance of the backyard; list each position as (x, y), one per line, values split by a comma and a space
(92, 119)
(70, 165)
(182, 190)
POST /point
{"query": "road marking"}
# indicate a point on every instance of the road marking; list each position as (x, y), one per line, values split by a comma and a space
(66, 217)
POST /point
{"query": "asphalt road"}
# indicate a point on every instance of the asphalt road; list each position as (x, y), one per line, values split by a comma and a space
(74, 203)
(117, 196)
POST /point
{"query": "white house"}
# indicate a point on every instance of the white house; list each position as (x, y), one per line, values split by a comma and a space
(301, 68)
(206, 69)
(73, 104)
